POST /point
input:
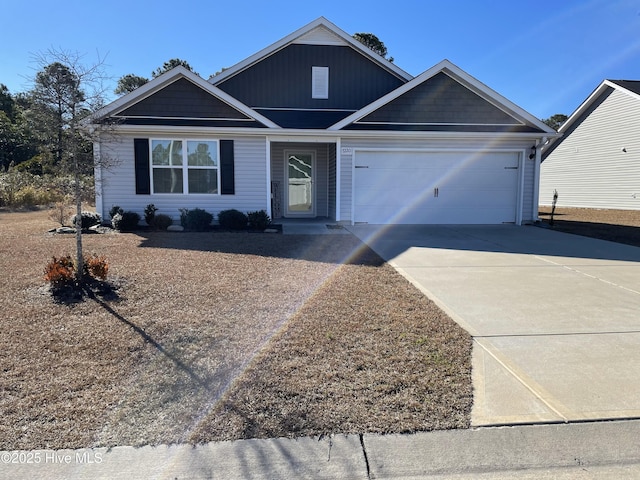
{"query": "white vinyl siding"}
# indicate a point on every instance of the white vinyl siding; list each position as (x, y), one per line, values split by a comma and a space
(589, 168)
(118, 182)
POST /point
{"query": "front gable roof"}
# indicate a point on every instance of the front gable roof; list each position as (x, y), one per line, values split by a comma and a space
(180, 97)
(281, 82)
(628, 87)
(444, 98)
(319, 32)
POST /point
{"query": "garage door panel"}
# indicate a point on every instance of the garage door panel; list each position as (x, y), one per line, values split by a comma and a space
(397, 180)
(390, 196)
(436, 187)
(437, 216)
(470, 200)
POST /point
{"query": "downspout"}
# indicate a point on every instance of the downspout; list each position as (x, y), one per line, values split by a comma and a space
(97, 178)
(536, 184)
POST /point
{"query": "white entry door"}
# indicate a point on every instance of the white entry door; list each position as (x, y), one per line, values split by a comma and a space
(300, 188)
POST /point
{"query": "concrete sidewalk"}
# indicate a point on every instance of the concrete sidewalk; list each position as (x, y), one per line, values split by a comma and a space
(584, 451)
(555, 317)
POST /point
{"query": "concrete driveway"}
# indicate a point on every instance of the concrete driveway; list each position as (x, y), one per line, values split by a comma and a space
(555, 317)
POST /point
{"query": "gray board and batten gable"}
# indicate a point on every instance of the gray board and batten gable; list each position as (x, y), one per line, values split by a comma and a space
(182, 103)
(279, 86)
(440, 103)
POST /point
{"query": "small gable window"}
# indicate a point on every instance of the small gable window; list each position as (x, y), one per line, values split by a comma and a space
(319, 82)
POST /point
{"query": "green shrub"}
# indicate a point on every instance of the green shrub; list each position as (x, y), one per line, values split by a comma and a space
(258, 220)
(114, 210)
(125, 221)
(88, 219)
(196, 219)
(150, 212)
(161, 221)
(233, 219)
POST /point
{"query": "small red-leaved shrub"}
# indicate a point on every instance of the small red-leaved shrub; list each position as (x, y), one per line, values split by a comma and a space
(97, 267)
(60, 271)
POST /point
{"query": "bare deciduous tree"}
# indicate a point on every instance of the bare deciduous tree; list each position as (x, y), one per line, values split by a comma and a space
(66, 92)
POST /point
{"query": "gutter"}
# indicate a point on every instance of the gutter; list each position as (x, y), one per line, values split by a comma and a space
(293, 133)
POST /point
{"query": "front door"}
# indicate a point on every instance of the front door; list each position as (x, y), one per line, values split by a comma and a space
(300, 190)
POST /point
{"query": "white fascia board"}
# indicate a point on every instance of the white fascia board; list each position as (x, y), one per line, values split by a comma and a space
(586, 104)
(292, 37)
(459, 75)
(622, 89)
(321, 136)
(167, 78)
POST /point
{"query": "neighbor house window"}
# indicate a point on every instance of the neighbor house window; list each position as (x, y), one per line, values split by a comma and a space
(320, 82)
(185, 166)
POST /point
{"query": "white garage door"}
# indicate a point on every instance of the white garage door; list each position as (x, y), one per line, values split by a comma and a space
(435, 187)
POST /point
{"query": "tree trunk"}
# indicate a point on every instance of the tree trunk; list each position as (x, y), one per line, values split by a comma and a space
(78, 196)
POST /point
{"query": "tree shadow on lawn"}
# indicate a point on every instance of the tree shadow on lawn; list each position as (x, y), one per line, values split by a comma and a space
(337, 249)
(626, 234)
(150, 340)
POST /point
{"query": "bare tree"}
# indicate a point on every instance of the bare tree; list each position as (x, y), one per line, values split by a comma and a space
(66, 91)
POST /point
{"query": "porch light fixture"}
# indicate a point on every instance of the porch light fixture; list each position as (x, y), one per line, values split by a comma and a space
(532, 155)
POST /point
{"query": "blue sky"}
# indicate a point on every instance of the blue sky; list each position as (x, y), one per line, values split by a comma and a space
(546, 56)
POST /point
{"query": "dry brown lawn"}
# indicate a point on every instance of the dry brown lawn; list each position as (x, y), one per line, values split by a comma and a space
(220, 336)
(622, 226)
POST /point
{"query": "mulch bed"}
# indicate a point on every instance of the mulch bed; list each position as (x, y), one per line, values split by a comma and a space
(217, 335)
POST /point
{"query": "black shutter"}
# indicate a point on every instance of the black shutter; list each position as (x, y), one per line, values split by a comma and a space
(227, 168)
(143, 175)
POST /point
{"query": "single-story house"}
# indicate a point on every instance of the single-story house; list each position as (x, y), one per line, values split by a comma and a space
(596, 162)
(318, 125)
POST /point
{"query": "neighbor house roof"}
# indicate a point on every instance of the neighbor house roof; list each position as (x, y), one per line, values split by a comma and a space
(629, 87)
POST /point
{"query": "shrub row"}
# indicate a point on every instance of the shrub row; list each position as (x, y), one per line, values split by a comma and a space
(236, 220)
(195, 219)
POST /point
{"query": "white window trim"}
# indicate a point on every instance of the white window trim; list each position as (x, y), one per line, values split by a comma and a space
(185, 165)
(320, 82)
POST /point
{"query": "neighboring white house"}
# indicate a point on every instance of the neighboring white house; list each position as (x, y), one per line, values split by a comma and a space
(596, 162)
(318, 125)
